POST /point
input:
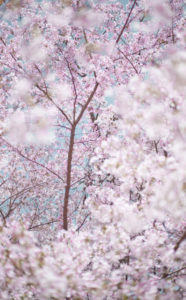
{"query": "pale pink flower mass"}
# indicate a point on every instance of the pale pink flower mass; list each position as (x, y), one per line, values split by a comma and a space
(92, 150)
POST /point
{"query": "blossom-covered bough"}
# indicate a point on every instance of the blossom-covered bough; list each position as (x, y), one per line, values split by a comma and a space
(92, 144)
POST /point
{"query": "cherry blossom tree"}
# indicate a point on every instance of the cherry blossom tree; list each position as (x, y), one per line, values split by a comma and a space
(92, 142)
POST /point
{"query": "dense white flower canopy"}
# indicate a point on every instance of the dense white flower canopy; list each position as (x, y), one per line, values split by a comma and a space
(92, 150)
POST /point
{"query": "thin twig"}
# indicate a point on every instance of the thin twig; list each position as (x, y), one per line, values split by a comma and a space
(31, 160)
(126, 57)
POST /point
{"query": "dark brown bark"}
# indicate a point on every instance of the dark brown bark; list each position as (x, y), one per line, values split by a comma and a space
(68, 178)
(126, 22)
(182, 238)
(70, 156)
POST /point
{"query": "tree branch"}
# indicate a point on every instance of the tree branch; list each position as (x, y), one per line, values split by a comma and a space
(129, 61)
(31, 160)
(50, 98)
(87, 103)
(182, 238)
(126, 22)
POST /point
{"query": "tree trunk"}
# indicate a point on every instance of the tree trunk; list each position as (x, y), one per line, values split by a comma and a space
(68, 178)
